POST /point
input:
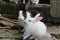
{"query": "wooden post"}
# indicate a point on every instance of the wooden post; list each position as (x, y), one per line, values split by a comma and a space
(27, 5)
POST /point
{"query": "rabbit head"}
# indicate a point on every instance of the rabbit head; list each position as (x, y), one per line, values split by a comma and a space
(33, 19)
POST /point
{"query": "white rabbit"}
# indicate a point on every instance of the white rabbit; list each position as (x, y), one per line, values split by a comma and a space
(34, 27)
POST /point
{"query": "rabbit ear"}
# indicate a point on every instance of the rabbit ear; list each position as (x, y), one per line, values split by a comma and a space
(37, 18)
(21, 15)
(37, 15)
(28, 14)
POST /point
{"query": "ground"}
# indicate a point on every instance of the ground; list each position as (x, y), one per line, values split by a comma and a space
(6, 34)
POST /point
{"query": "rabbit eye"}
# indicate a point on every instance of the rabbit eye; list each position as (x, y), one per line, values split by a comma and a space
(29, 20)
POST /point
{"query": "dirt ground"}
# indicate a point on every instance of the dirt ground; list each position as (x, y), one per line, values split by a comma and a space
(6, 34)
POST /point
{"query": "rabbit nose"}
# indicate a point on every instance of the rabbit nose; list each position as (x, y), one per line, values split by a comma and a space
(29, 20)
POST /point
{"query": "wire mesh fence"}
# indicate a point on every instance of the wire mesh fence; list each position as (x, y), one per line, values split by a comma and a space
(8, 9)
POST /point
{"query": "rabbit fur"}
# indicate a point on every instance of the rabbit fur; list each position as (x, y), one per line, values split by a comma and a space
(33, 26)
